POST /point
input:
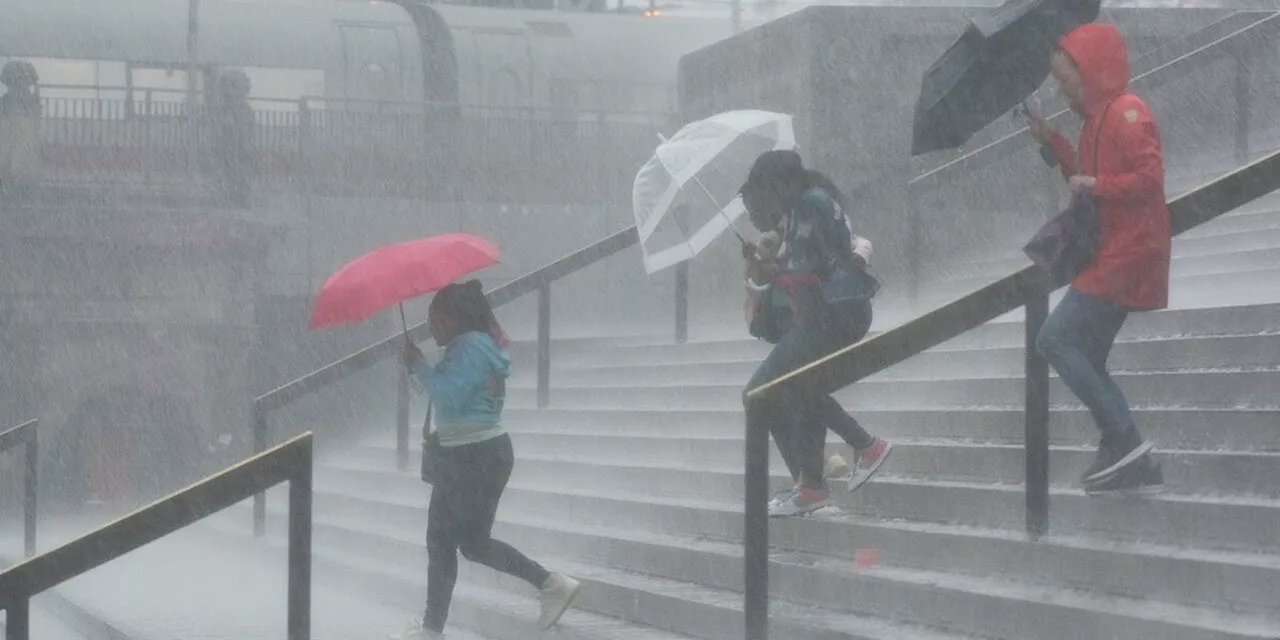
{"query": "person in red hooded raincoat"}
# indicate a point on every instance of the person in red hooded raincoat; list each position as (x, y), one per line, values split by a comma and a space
(1119, 160)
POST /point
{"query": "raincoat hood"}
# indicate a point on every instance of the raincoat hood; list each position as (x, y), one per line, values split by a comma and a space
(1101, 56)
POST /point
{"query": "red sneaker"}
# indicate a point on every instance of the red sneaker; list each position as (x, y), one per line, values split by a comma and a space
(868, 463)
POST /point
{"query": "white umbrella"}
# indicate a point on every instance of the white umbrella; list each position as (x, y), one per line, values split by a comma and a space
(686, 195)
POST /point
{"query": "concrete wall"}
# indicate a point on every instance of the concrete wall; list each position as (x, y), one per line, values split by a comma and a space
(140, 311)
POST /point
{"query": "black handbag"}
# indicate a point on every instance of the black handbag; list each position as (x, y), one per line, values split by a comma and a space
(768, 320)
(430, 450)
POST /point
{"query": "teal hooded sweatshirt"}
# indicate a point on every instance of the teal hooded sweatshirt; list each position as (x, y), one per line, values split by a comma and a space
(468, 388)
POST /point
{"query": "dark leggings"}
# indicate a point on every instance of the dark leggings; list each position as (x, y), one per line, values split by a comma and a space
(464, 502)
(796, 415)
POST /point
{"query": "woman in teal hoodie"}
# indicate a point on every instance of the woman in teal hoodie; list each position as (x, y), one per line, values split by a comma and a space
(468, 389)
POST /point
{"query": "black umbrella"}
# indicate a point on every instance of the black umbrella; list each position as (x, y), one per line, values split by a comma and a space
(1001, 59)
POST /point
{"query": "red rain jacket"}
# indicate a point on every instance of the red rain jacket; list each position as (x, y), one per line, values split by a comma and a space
(1131, 268)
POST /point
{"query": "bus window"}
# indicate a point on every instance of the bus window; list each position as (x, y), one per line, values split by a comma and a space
(281, 89)
(167, 84)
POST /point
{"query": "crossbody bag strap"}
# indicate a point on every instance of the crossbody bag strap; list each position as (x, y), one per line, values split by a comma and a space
(1097, 135)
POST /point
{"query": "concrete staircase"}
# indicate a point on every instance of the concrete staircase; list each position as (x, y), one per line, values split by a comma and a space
(632, 481)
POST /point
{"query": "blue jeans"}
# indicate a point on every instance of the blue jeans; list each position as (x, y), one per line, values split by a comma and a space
(1077, 340)
(798, 416)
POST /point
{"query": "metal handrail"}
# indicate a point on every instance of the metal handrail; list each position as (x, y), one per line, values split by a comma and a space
(538, 281)
(1027, 287)
(1224, 45)
(288, 462)
(27, 434)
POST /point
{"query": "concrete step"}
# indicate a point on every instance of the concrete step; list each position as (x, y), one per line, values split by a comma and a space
(1226, 523)
(1161, 572)
(1194, 291)
(1185, 471)
(1204, 429)
(987, 606)
(1253, 227)
(1230, 254)
(1008, 332)
(1200, 389)
(187, 586)
(1001, 578)
(476, 612)
(645, 605)
(1250, 243)
(1192, 352)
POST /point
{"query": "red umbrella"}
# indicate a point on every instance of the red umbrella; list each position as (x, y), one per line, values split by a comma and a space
(396, 273)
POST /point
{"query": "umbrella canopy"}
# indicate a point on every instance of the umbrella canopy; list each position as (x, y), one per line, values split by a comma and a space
(399, 272)
(1002, 57)
(686, 195)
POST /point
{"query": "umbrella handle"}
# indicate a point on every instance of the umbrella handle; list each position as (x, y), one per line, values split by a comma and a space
(403, 322)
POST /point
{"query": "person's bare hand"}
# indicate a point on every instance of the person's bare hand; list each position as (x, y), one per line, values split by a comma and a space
(1040, 129)
(411, 354)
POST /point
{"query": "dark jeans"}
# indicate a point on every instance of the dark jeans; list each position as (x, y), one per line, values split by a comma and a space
(798, 416)
(464, 502)
(1077, 340)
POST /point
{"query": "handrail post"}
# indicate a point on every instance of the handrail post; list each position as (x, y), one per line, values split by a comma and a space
(402, 419)
(259, 445)
(18, 622)
(755, 606)
(1037, 419)
(31, 495)
(300, 550)
(544, 344)
(682, 302)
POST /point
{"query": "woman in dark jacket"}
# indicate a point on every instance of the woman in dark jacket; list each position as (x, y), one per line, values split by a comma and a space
(830, 297)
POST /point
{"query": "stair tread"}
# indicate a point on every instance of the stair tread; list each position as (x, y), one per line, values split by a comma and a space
(1244, 370)
(836, 517)
(1004, 588)
(388, 444)
(793, 613)
(882, 478)
(944, 348)
(576, 624)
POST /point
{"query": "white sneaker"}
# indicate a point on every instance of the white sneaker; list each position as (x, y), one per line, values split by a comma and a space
(415, 631)
(557, 594)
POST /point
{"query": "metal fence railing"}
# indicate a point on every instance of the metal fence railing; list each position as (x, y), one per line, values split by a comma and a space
(345, 147)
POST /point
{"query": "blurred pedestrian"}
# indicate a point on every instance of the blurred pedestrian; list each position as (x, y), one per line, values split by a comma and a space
(233, 136)
(19, 127)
